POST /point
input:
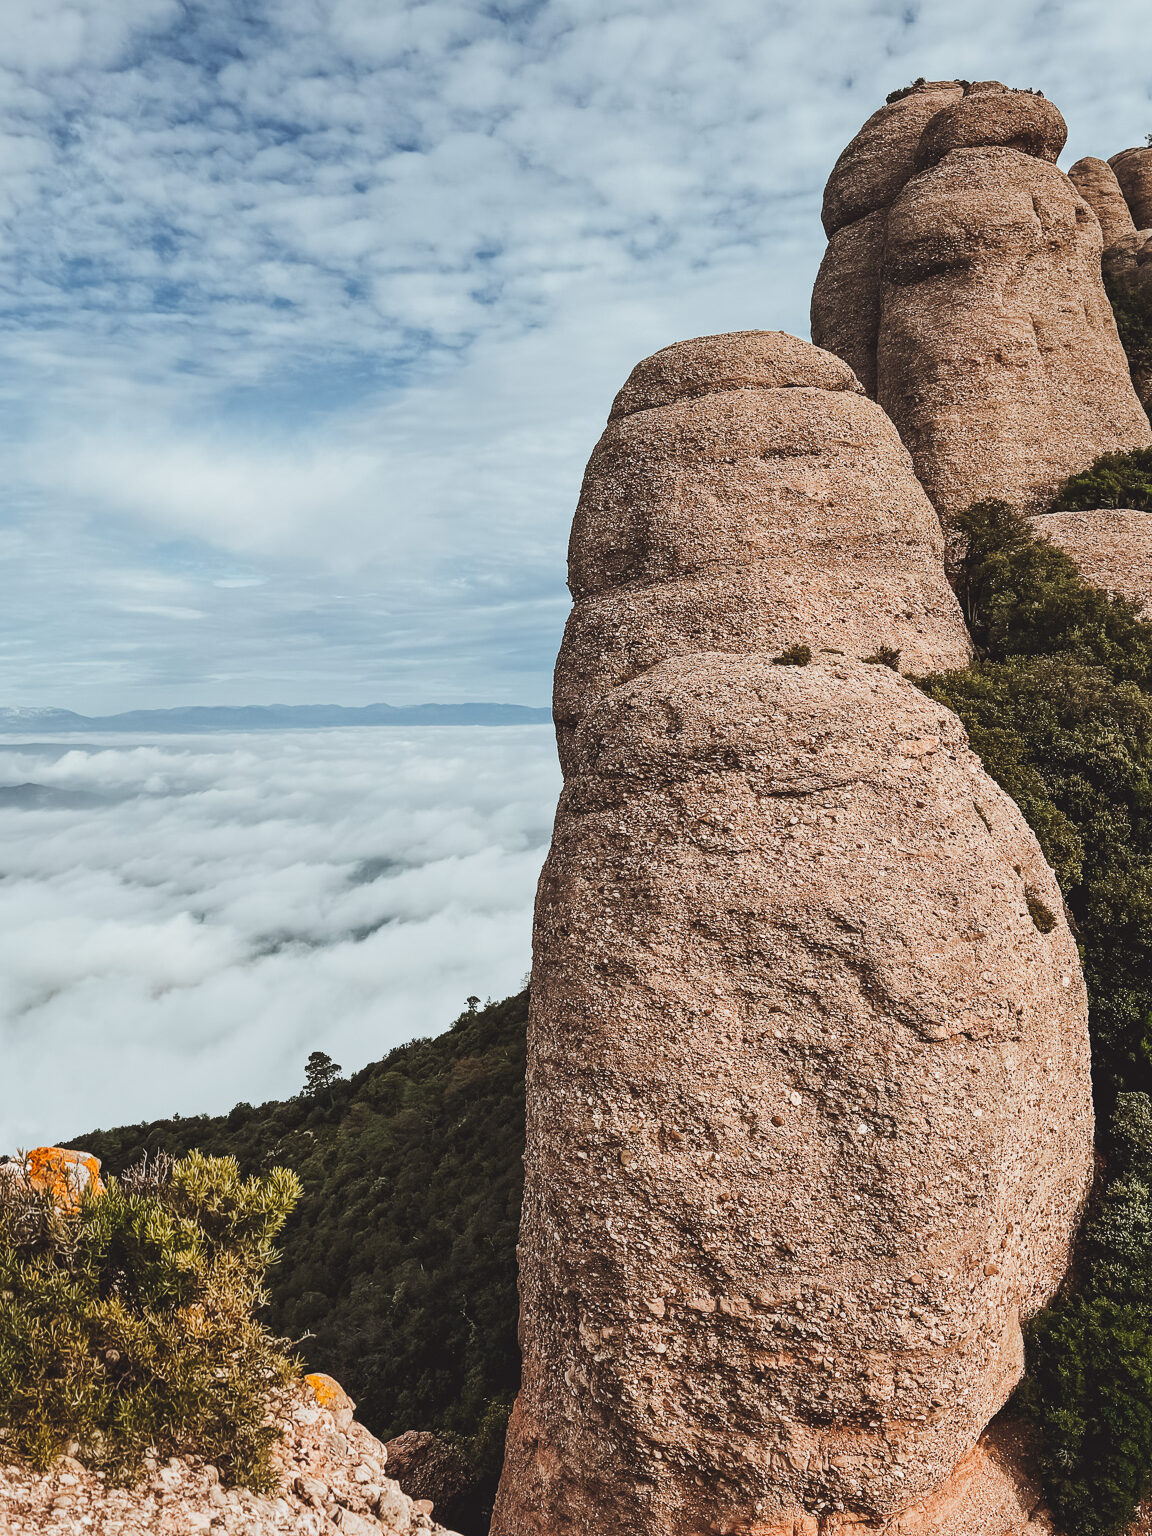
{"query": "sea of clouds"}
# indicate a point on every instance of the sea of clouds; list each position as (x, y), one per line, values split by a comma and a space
(230, 903)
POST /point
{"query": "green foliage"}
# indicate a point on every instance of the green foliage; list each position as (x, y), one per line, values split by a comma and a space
(1115, 480)
(320, 1073)
(886, 656)
(1133, 312)
(1059, 708)
(399, 1264)
(794, 656)
(129, 1324)
(905, 90)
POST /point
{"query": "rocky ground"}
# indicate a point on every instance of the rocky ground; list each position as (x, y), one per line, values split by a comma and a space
(333, 1484)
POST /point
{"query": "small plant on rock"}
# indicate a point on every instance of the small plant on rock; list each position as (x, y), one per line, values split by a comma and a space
(129, 1325)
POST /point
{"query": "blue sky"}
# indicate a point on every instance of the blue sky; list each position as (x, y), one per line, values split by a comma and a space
(311, 310)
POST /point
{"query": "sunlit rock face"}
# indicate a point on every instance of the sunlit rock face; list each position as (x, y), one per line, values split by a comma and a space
(809, 1120)
(745, 497)
(973, 305)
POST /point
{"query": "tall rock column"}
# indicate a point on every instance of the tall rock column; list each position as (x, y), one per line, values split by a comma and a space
(809, 1122)
(745, 497)
(996, 351)
(865, 179)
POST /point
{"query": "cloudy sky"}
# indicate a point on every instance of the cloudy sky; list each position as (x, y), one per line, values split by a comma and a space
(312, 309)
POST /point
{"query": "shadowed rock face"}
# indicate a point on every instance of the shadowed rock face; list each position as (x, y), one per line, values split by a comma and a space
(1133, 170)
(747, 497)
(972, 304)
(809, 1115)
(1095, 180)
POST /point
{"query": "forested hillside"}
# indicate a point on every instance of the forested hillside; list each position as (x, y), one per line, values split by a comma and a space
(398, 1271)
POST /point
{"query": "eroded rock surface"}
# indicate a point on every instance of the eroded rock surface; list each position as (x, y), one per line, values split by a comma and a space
(865, 179)
(1133, 170)
(809, 1115)
(333, 1483)
(1095, 180)
(747, 497)
(1112, 547)
(999, 360)
(974, 308)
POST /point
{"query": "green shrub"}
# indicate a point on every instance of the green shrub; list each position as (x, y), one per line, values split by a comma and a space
(1058, 706)
(794, 656)
(1133, 312)
(1115, 480)
(129, 1325)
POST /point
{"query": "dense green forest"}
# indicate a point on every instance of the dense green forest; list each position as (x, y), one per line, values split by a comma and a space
(398, 1274)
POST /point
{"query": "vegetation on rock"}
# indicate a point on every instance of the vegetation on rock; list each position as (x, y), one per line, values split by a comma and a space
(129, 1324)
(1058, 707)
(399, 1265)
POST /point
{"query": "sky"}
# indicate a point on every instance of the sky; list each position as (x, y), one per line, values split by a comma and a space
(222, 906)
(312, 310)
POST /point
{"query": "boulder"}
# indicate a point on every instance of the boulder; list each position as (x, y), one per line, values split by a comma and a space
(752, 518)
(61, 1172)
(428, 1468)
(1112, 547)
(809, 1115)
(1095, 180)
(1133, 170)
(998, 357)
(882, 156)
(991, 114)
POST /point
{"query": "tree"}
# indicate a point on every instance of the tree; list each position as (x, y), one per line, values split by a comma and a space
(320, 1073)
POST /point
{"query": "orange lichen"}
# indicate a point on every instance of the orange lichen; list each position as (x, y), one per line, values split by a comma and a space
(329, 1393)
(64, 1174)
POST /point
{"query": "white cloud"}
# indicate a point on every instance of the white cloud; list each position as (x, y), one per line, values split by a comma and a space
(343, 291)
(240, 901)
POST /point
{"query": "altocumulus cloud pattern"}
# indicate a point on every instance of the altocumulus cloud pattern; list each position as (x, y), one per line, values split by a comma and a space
(310, 310)
(182, 921)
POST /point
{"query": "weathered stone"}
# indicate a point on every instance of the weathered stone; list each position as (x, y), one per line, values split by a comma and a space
(64, 1174)
(1112, 547)
(998, 357)
(751, 520)
(427, 1467)
(846, 295)
(1095, 180)
(1133, 169)
(808, 1068)
(882, 156)
(991, 114)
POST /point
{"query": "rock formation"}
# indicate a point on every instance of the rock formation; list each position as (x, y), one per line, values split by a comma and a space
(1113, 549)
(1095, 180)
(331, 1468)
(996, 353)
(746, 496)
(809, 1121)
(864, 181)
(1133, 170)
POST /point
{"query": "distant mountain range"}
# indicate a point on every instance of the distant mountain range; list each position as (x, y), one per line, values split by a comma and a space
(268, 717)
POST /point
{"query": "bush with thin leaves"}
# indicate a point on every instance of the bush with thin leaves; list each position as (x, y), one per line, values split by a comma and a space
(130, 1325)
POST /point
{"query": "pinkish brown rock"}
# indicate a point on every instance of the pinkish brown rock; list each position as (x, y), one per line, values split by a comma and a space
(1112, 547)
(998, 357)
(1095, 180)
(1133, 169)
(846, 296)
(990, 114)
(809, 1118)
(880, 159)
(429, 1469)
(749, 519)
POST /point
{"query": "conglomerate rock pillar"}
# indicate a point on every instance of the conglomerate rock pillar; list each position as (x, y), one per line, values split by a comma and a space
(996, 352)
(745, 497)
(809, 1121)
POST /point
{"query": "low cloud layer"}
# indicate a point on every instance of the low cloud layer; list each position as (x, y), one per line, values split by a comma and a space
(232, 903)
(312, 309)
